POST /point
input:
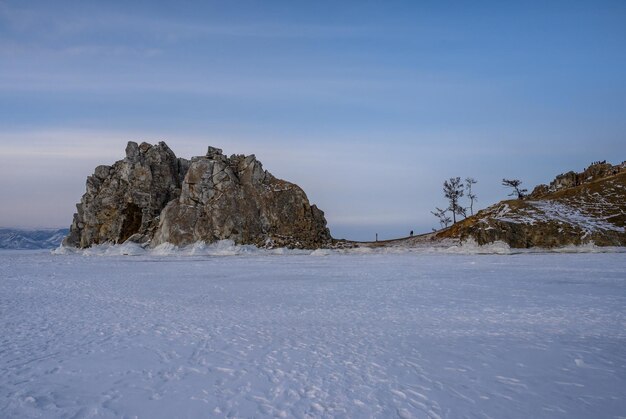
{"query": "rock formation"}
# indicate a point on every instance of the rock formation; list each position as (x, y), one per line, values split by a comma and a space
(153, 197)
(576, 208)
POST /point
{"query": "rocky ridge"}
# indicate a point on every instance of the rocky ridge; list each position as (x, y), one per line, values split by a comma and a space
(152, 197)
(574, 209)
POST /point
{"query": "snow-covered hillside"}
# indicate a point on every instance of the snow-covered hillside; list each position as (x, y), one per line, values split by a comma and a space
(326, 334)
(588, 211)
(11, 238)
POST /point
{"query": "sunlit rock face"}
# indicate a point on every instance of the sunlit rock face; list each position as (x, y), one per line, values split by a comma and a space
(153, 197)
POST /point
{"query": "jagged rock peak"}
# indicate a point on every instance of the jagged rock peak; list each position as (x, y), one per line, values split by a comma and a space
(212, 152)
(153, 197)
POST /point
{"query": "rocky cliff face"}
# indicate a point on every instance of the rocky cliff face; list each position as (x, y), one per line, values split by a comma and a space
(152, 197)
(576, 208)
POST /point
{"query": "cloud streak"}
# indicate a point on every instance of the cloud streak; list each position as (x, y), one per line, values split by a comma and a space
(66, 22)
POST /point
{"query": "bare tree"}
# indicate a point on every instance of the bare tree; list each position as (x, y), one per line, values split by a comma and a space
(462, 211)
(453, 191)
(443, 217)
(469, 181)
(515, 184)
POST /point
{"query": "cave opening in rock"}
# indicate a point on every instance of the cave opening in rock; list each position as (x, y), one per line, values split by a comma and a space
(132, 221)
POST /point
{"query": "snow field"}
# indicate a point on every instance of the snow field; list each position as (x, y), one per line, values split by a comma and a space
(425, 335)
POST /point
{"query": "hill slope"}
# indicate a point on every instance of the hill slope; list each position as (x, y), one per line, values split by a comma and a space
(576, 208)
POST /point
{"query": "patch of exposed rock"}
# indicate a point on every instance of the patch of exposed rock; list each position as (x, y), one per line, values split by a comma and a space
(576, 208)
(153, 197)
(594, 172)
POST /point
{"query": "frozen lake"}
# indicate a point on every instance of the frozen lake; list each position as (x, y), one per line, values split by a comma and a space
(336, 335)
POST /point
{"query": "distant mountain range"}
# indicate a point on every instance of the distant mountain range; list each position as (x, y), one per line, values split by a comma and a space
(12, 238)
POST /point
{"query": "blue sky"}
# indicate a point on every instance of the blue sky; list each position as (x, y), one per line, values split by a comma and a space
(368, 106)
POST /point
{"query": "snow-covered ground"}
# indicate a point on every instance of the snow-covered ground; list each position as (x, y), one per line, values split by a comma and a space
(329, 334)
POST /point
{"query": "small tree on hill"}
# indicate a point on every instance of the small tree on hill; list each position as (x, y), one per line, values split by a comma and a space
(443, 217)
(469, 181)
(453, 191)
(515, 184)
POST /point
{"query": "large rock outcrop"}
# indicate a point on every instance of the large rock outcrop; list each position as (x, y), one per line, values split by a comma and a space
(125, 199)
(576, 208)
(153, 197)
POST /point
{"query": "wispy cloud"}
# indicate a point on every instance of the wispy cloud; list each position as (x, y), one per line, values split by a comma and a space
(59, 22)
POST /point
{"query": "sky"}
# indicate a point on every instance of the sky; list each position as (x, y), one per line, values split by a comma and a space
(368, 106)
